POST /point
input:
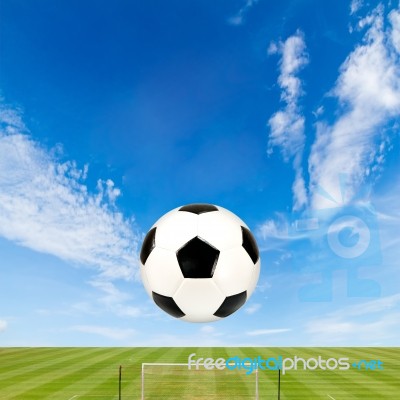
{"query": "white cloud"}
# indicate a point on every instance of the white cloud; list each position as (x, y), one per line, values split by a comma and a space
(273, 228)
(283, 258)
(280, 228)
(273, 234)
(252, 308)
(263, 286)
(3, 325)
(362, 324)
(319, 111)
(238, 19)
(331, 331)
(287, 131)
(368, 90)
(116, 301)
(11, 119)
(355, 6)
(294, 58)
(207, 329)
(394, 17)
(388, 215)
(105, 331)
(287, 125)
(371, 307)
(112, 295)
(262, 332)
(46, 206)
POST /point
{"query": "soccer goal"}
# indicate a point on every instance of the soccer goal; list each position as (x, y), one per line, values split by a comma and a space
(176, 381)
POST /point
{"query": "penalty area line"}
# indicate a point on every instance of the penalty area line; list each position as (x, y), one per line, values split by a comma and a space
(330, 397)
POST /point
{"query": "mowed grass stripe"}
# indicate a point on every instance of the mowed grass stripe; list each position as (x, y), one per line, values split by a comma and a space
(342, 380)
(327, 381)
(239, 385)
(98, 374)
(220, 390)
(106, 381)
(132, 370)
(390, 361)
(387, 378)
(185, 385)
(301, 384)
(31, 371)
(292, 386)
(248, 380)
(267, 379)
(19, 357)
(55, 359)
(167, 382)
(103, 379)
(48, 376)
(46, 372)
(222, 386)
(385, 382)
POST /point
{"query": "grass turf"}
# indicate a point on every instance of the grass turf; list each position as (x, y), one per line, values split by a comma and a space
(92, 374)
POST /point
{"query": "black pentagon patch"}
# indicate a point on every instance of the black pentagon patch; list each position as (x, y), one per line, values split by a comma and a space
(231, 304)
(197, 259)
(168, 305)
(148, 245)
(198, 208)
(250, 244)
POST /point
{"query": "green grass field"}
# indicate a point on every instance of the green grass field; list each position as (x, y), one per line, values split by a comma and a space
(92, 374)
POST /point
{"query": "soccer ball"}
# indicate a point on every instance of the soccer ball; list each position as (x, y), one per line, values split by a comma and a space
(199, 263)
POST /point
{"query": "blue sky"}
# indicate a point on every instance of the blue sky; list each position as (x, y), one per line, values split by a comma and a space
(286, 113)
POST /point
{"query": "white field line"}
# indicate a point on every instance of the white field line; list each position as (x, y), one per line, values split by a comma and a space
(73, 397)
(331, 397)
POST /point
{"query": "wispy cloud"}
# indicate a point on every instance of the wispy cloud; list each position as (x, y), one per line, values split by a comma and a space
(3, 325)
(46, 205)
(105, 331)
(207, 329)
(262, 332)
(355, 6)
(252, 308)
(370, 307)
(389, 217)
(356, 143)
(362, 324)
(287, 125)
(368, 92)
(336, 331)
(116, 301)
(273, 228)
(239, 17)
(394, 18)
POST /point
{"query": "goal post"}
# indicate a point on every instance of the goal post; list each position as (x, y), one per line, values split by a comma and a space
(176, 380)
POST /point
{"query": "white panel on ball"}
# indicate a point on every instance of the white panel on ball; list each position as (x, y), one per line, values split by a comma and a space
(254, 278)
(220, 230)
(232, 216)
(190, 318)
(199, 299)
(145, 280)
(162, 271)
(234, 271)
(175, 229)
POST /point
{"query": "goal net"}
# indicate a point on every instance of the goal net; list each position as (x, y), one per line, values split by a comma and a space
(176, 381)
